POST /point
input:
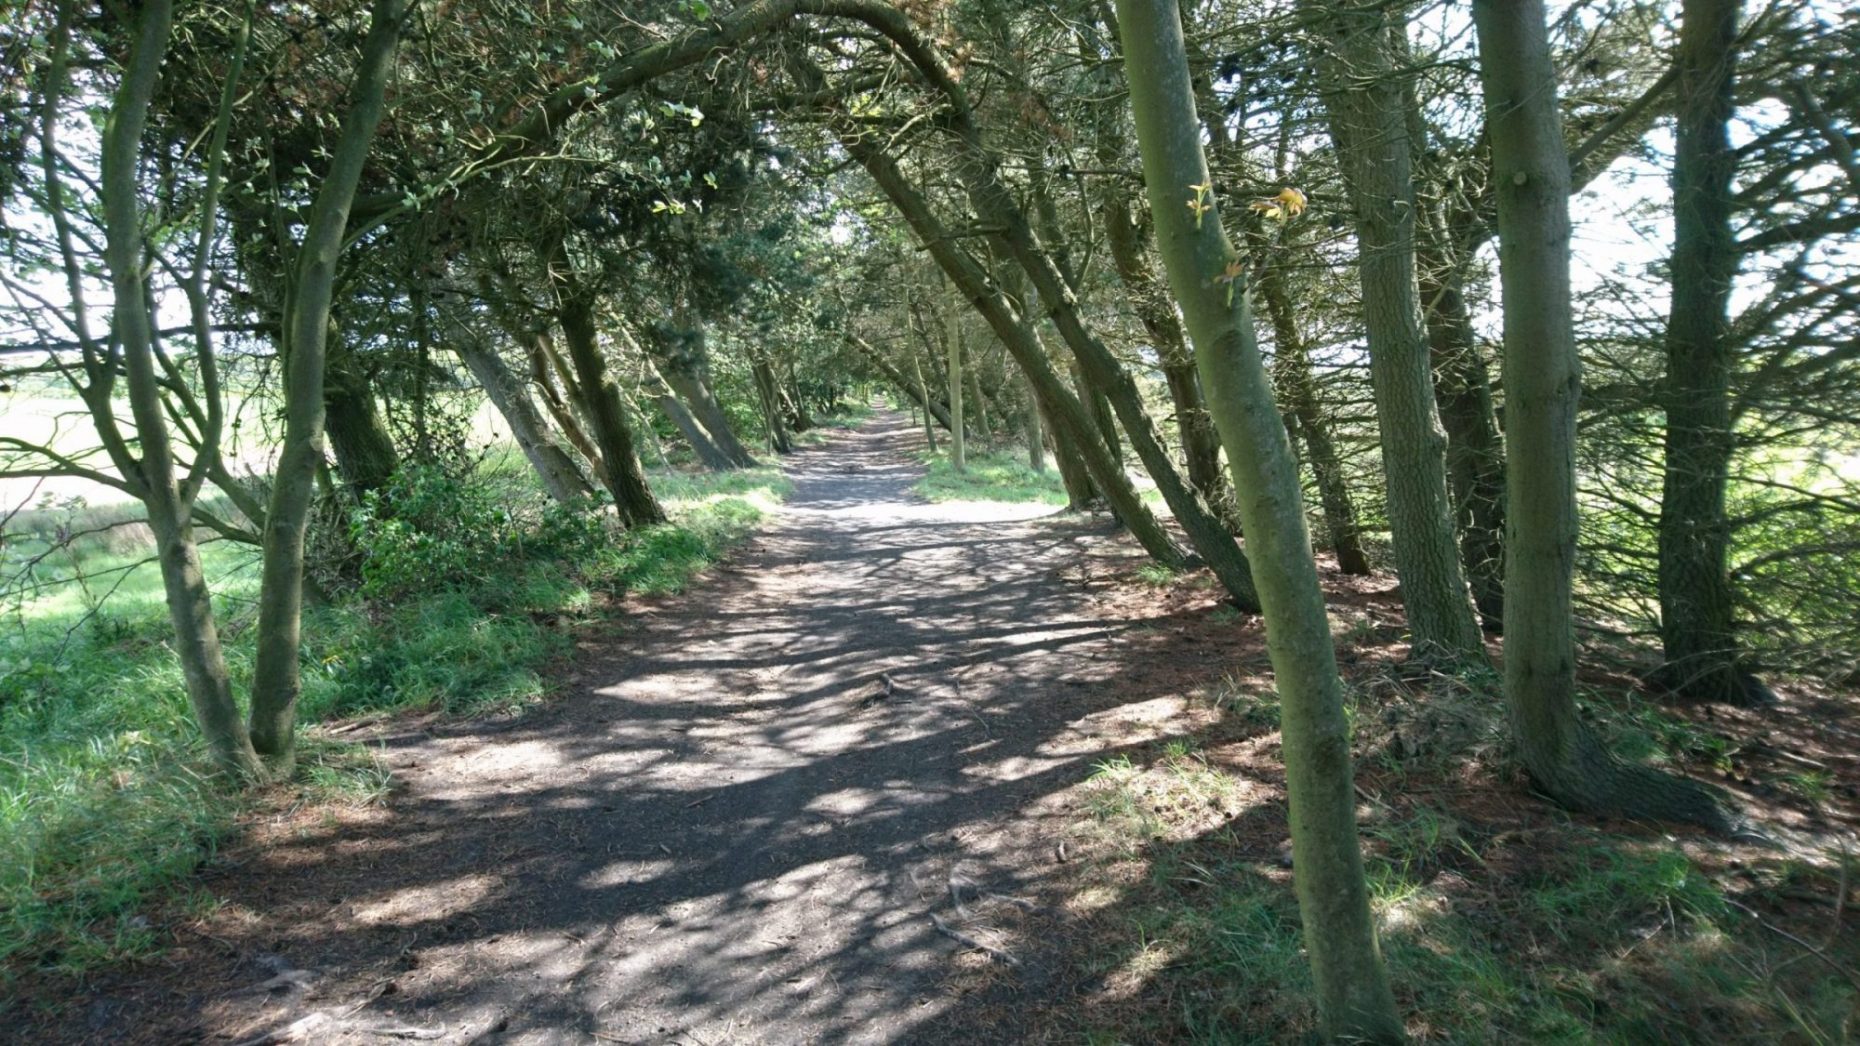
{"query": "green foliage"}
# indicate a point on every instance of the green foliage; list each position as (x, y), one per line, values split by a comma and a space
(469, 588)
(990, 476)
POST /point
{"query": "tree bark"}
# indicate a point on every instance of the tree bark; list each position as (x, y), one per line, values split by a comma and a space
(1542, 384)
(768, 391)
(1697, 630)
(626, 481)
(1306, 420)
(684, 372)
(1354, 1000)
(1032, 431)
(508, 393)
(364, 449)
(277, 679)
(958, 441)
(1363, 100)
(153, 477)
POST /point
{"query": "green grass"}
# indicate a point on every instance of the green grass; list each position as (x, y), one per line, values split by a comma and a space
(104, 809)
(990, 475)
(1562, 934)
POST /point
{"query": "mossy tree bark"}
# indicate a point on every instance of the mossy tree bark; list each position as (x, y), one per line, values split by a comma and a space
(1363, 101)
(1697, 627)
(277, 679)
(1354, 1000)
(625, 480)
(1542, 385)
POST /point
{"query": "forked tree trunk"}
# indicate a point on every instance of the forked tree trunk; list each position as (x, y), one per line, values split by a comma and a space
(1363, 99)
(1697, 627)
(1354, 1000)
(277, 678)
(626, 481)
(1531, 171)
(507, 392)
(153, 476)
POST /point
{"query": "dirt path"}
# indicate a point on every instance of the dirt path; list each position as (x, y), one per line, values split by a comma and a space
(728, 832)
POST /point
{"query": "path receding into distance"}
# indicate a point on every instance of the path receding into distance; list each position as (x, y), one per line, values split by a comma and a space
(725, 831)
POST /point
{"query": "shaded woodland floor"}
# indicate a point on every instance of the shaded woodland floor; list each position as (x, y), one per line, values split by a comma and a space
(895, 772)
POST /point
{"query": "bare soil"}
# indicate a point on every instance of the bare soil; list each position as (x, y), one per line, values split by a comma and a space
(830, 793)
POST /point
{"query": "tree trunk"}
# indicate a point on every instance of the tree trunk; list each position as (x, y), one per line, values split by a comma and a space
(1475, 453)
(277, 679)
(914, 388)
(688, 382)
(1063, 411)
(1032, 430)
(154, 476)
(923, 396)
(1531, 171)
(958, 441)
(1354, 1001)
(554, 467)
(694, 434)
(1696, 608)
(769, 393)
(626, 481)
(364, 449)
(1299, 393)
(1363, 99)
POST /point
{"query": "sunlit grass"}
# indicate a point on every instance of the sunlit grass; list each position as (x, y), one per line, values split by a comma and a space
(989, 476)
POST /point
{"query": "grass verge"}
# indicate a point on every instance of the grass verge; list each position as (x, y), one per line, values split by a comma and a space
(104, 809)
(990, 475)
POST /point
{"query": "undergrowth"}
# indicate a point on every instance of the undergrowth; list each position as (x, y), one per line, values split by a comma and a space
(464, 591)
(989, 475)
(1493, 931)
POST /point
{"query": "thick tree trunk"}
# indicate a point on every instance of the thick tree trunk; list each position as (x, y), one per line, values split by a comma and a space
(358, 437)
(688, 382)
(508, 393)
(1354, 1000)
(1696, 607)
(1306, 420)
(1363, 99)
(1542, 383)
(277, 679)
(626, 481)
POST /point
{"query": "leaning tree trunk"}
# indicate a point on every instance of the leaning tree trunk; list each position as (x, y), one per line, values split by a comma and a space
(507, 392)
(1032, 431)
(626, 481)
(1065, 414)
(1531, 171)
(769, 395)
(687, 381)
(1297, 389)
(277, 679)
(914, 389)
(1363, 100)
(1354, 1001)
(1696, 609)
(358, 437)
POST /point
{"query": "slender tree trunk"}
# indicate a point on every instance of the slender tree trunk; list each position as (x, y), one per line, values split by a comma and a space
(1531, 171)
(769, 393)
(154, 476)
(923, 396)
(958, 441)
(277, 680)
(1697, 627)
(914, 388)
(1475, 453)
(626, 481)
(554, 467)
(689, 383)
(1032, 430)
(1299, 394)
(1354, 1000)
(545, 370)
(708, 452)
(1363, 98)
(364, 449)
